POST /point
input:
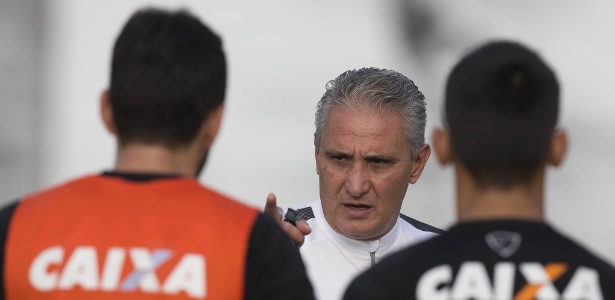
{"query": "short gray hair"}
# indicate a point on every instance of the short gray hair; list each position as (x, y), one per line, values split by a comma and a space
(384, 90)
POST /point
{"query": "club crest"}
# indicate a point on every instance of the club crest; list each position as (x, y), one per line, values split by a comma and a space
(504, 243)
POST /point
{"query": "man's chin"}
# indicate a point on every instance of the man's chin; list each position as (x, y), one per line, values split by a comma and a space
(363, 234)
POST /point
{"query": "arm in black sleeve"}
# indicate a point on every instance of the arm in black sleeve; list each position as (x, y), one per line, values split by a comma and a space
(364, 287)
(5, 219)
(274, 269)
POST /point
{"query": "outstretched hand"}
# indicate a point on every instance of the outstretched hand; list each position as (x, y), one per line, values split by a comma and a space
(296, 233)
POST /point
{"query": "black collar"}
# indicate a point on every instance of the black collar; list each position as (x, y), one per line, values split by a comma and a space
(139, 176)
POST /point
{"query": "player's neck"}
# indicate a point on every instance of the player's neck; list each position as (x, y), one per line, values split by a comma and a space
(155, 159)
(520, 202)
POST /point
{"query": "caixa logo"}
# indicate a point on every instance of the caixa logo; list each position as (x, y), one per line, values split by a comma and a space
(473, 281)
(48, 271)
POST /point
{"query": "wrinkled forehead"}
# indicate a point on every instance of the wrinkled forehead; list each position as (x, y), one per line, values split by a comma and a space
(365, 119)
(365, 133)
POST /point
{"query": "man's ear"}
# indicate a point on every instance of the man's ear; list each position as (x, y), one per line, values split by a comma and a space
(316, 156)
(442, 146)
(422, 156)
(211, 126)
(558, 147)
(106, 112)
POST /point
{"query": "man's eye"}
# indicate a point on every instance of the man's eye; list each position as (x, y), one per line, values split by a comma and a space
(379, 161)
(339, 158)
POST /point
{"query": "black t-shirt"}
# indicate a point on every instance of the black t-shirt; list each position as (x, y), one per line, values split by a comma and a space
(490, 260)
(274, 269)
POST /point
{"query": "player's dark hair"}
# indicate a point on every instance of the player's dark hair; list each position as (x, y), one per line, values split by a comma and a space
(501, 109)
(168, 73)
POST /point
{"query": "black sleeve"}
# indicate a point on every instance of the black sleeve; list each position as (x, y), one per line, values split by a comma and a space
(5, 219)
(274, 269)
(365, 286)
(389, 279)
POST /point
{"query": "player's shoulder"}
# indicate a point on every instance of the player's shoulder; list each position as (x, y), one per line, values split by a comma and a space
(433, 246)
(580, 254)
(67, 187)
(227, 201)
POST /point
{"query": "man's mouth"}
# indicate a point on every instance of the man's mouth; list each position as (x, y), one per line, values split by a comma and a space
(357, 206)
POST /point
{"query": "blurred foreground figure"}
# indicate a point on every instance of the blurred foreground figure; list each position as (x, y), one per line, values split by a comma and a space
(147, 229)
(369, 147)
(501, 110)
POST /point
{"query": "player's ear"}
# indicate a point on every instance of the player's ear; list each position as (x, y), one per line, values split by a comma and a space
(211, 126)
(558, 147)
(442, 146)
(106, 112)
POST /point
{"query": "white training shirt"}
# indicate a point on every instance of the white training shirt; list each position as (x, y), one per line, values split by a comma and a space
(333, 260)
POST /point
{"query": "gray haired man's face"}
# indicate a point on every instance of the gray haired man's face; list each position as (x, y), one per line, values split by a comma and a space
(364, 165)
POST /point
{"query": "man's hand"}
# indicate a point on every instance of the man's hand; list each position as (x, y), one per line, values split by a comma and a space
(297, 234)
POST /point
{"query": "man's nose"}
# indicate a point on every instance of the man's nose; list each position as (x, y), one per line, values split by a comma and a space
(357, 181)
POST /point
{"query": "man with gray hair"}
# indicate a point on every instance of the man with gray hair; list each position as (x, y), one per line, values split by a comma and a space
(369, 146)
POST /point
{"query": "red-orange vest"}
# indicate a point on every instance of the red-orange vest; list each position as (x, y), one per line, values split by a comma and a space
(103, 237)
